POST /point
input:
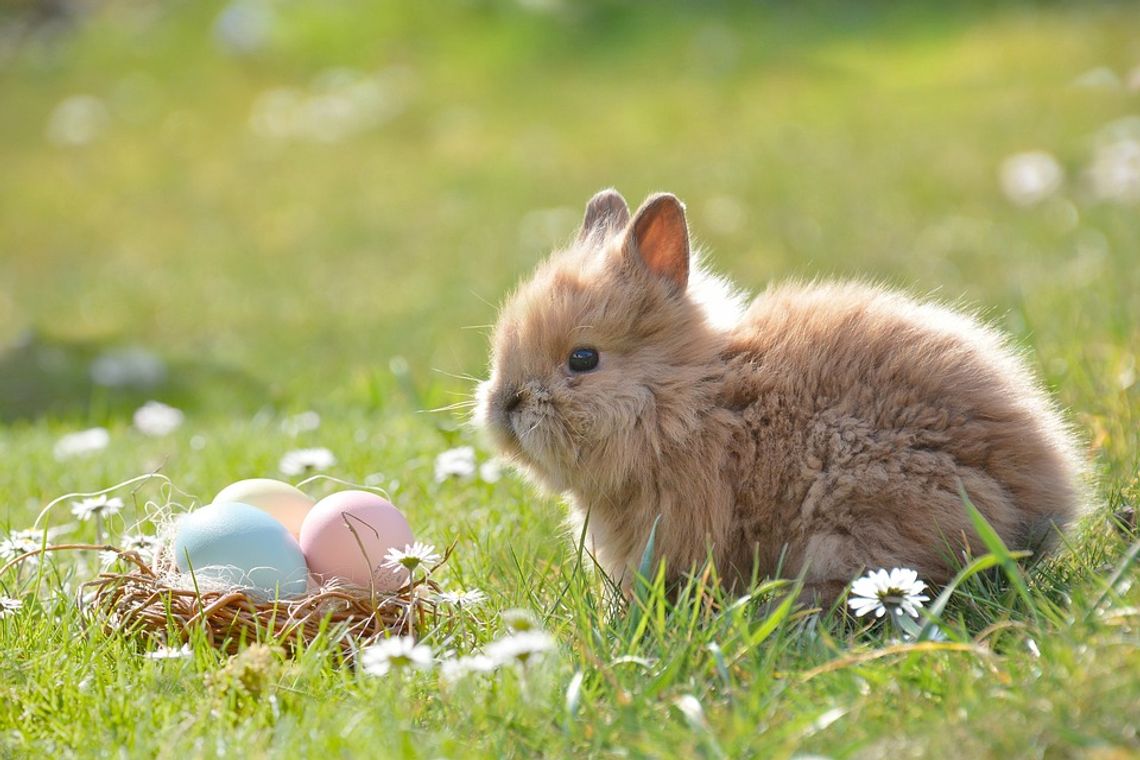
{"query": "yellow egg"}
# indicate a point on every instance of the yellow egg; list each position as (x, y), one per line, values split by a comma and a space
(286, 503)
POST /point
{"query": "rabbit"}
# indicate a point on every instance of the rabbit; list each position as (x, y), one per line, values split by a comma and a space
(823, 430)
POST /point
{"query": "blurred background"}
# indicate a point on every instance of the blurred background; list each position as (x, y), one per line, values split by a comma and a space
(228, 206)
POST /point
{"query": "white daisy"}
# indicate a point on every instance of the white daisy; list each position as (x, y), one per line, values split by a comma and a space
(20, 542)
(396, 652)
(520, 620)
(301, 461)
(145, 545)
(169, 653)
(520, 647)
(8, 605)
(81, 443)
(96, 506)
(898, 591)
(455, 669)
(468, 598)
(455, 463)
(157, 419)
(411, 556)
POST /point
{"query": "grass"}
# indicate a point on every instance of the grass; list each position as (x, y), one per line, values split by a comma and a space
(352, 277)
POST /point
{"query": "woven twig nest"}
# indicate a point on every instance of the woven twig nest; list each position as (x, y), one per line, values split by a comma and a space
(147, 601)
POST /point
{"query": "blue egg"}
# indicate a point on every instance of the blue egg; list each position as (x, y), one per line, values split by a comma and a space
(241, 546)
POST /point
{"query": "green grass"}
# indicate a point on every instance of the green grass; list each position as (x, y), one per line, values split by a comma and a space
(276, 276)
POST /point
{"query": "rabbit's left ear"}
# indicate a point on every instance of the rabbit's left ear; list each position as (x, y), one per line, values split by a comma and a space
(659, 237)
(606, 212)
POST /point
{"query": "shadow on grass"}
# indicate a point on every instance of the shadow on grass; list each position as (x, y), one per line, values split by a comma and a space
(43, 376)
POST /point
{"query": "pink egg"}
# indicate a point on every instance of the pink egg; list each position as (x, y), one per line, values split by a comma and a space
(355, 555)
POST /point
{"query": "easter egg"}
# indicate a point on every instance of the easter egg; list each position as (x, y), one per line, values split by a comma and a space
(239, 545)
(288, 504)
(347, 534)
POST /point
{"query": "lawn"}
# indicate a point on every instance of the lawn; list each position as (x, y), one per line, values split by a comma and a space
(256, 211)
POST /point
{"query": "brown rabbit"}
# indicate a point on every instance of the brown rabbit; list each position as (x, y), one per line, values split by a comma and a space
(826, 429)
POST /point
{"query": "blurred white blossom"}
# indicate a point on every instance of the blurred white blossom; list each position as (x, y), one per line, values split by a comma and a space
(244, 26)
(1114, 172)
(520, 648)
(77, 120)
(8, 605)
(469, 598)
(491, 471)
(301, 423)
(157, 419)
(341, 102)
(169, 653)
(301, 461)
(132, 366)
(1031, 177)
(395, 653)
(1099, 78)
(81, 443)
(454, 669)
(458, 462)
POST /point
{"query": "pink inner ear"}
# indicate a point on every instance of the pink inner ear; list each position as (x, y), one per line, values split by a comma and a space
(662, 240)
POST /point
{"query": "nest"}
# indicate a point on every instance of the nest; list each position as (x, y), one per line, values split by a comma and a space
(143, 601)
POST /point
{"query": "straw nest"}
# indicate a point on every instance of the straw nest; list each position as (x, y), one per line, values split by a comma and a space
(147, 600)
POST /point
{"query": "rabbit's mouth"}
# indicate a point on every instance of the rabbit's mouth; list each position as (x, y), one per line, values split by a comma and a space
(522, 421)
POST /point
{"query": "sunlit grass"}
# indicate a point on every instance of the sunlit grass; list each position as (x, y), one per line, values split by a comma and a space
(356, 277)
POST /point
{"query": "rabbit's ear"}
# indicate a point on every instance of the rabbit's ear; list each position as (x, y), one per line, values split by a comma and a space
(606, 212)
(659, 237)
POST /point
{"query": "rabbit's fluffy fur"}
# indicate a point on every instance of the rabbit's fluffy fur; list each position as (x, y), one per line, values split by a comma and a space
(825, 429)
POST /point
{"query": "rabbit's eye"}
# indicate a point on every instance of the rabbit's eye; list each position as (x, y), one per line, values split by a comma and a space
(583, 359)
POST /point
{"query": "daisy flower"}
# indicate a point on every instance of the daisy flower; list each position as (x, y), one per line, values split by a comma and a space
(411, 557)
(96, 506)
(520, 620)
(8, 605)
(301, 461)
(169, 653)
(520, 647)
(20, 542)
(396, 652)
(898, 591)
(455, 463)
(455, 669)
(469, 598)
(141, 543)
(157, 419)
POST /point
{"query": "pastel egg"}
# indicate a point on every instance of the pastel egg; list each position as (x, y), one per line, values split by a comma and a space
(239, 545)
(288, 504)
(355, 555)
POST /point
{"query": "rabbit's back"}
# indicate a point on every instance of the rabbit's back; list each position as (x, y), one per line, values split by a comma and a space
(861, 413)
